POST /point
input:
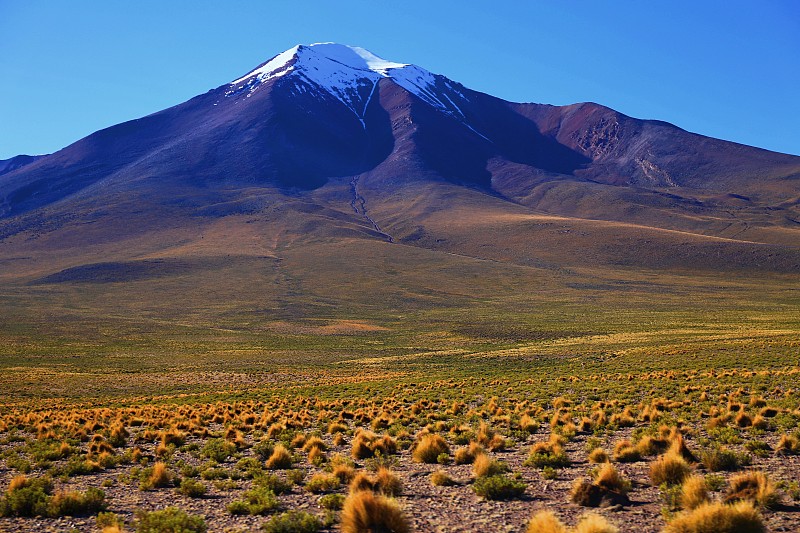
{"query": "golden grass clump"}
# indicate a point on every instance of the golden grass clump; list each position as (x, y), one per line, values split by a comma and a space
(429, 447)
(314, 442)
(694, 492)
(387, 482)
(678, 445)
(17, 482)
(159, 477)
(529, 424)
(384, 481)
(743, 420)
(486, 466)
(754, 487)
(669, 468)
(717, 517)
(280, 459)
(336, 427)
(788, 445)
(598, 455)
(609, 478)
(467, 455)
(298, 441)
(316, 456)
(649, 445)
(364, 511)
(626, 452)
(366, 444)
(361, 481)
(594, 523)
(440, 478)
(590, 494)
(548, 522)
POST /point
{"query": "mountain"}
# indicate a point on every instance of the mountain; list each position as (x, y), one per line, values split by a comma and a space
(7, 165)
(331, 146)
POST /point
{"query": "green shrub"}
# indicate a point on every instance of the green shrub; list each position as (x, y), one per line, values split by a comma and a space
(74, 503)
(332, 502)
(79, 466)
(170, 520)
(105, 520)
(218, 450)
(263, 449)
(295, 476)
(554, 459)
(192, 488)
(293, 522)
(31, 498)
(549, 472)
(498, 487)
(758, 448)
(429, 448)
(250, 465)
(215, 473)
(322, 483)
(272, 482)
(257, 500)
(720, 458)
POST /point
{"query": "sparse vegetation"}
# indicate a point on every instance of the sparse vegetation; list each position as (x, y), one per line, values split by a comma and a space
(169, 520)
(365, 511)
(498, 487)
(717, 517)
(417, 428)
(293, 522)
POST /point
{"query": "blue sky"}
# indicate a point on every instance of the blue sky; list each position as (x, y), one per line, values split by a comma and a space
(727, 69)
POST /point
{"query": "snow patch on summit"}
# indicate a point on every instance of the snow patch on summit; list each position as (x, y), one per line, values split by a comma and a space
(350, 74)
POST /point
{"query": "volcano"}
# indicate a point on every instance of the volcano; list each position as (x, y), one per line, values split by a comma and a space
(330, 145)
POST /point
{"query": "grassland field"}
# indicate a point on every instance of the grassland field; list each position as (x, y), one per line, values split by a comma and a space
(105, 386)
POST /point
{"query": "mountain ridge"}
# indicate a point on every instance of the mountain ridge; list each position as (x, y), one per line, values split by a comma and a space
(305, 164)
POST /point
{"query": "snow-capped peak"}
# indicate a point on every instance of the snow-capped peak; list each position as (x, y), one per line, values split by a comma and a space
(310, 57)
(350, 74)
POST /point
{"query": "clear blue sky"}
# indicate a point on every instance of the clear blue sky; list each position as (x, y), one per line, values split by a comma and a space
(727, 69)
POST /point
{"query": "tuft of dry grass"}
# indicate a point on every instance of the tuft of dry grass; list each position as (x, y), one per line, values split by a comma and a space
(387, 482)
(717, 517)
(598, 455)
(314, 443)
(344, 472)
(669, 468)
(486, 466)
(362, 481)
(588, 494)
(594, 523)
(546, 522)
(464, 456)
(160, 477)
(626, 452)
(440, 478)
(364, 511)
(609, 478)
(429, 447)
(280, 459)
(754, 487)
(788, 445)
(694, 492)
(17, 482)
(316, 456)
(649, 445)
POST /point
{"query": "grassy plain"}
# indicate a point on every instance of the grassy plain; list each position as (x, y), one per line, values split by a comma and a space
(102, 381)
